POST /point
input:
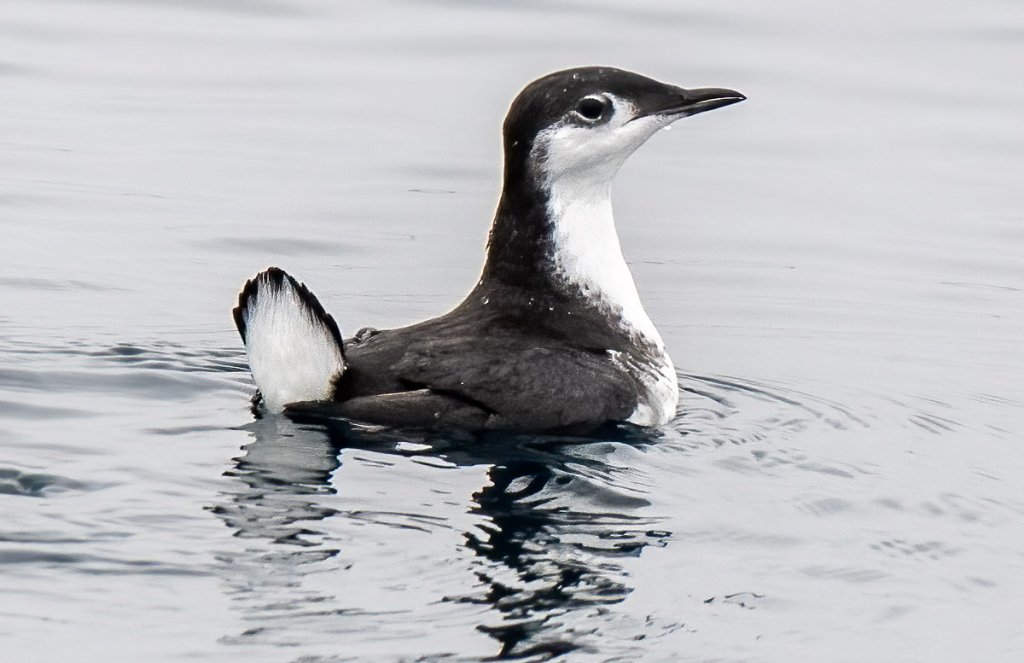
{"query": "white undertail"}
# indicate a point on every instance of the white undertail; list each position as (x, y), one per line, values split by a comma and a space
(294, 349)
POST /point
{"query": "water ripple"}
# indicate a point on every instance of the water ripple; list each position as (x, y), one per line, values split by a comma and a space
(35, 484)
(720, 411)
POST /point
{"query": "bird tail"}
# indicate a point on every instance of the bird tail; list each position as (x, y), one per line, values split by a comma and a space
(294, 346)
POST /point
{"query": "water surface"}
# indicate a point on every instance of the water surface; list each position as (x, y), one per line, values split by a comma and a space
(837, 266)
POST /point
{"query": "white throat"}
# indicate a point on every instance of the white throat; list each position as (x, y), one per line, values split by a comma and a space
(587, 254)
(577, 165)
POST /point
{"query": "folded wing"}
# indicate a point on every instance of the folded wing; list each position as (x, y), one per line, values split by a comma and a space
(525, 383)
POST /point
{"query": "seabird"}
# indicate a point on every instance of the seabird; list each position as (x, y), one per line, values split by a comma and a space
(553, 337)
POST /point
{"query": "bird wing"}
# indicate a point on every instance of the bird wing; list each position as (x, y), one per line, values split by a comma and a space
(421, 408)
(526, 383)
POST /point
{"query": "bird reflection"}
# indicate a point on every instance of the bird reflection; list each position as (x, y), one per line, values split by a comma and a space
(556, 520)
(551, 522)
(278, 496)
(283, 474)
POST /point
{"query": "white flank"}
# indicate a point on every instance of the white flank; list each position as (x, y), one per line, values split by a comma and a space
(293, 356)
(579, 165)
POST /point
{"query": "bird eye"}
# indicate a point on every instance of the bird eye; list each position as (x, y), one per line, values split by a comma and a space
(591, 108)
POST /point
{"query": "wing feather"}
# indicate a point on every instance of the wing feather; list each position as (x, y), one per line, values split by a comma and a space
(526, 383)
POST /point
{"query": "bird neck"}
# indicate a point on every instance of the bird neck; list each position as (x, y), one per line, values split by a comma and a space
(587, 256)
(558, 239)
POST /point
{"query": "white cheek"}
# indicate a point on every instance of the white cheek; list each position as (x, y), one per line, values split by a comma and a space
(595, 153)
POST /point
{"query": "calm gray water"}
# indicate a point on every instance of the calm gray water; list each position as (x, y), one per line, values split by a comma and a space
(837, 265)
